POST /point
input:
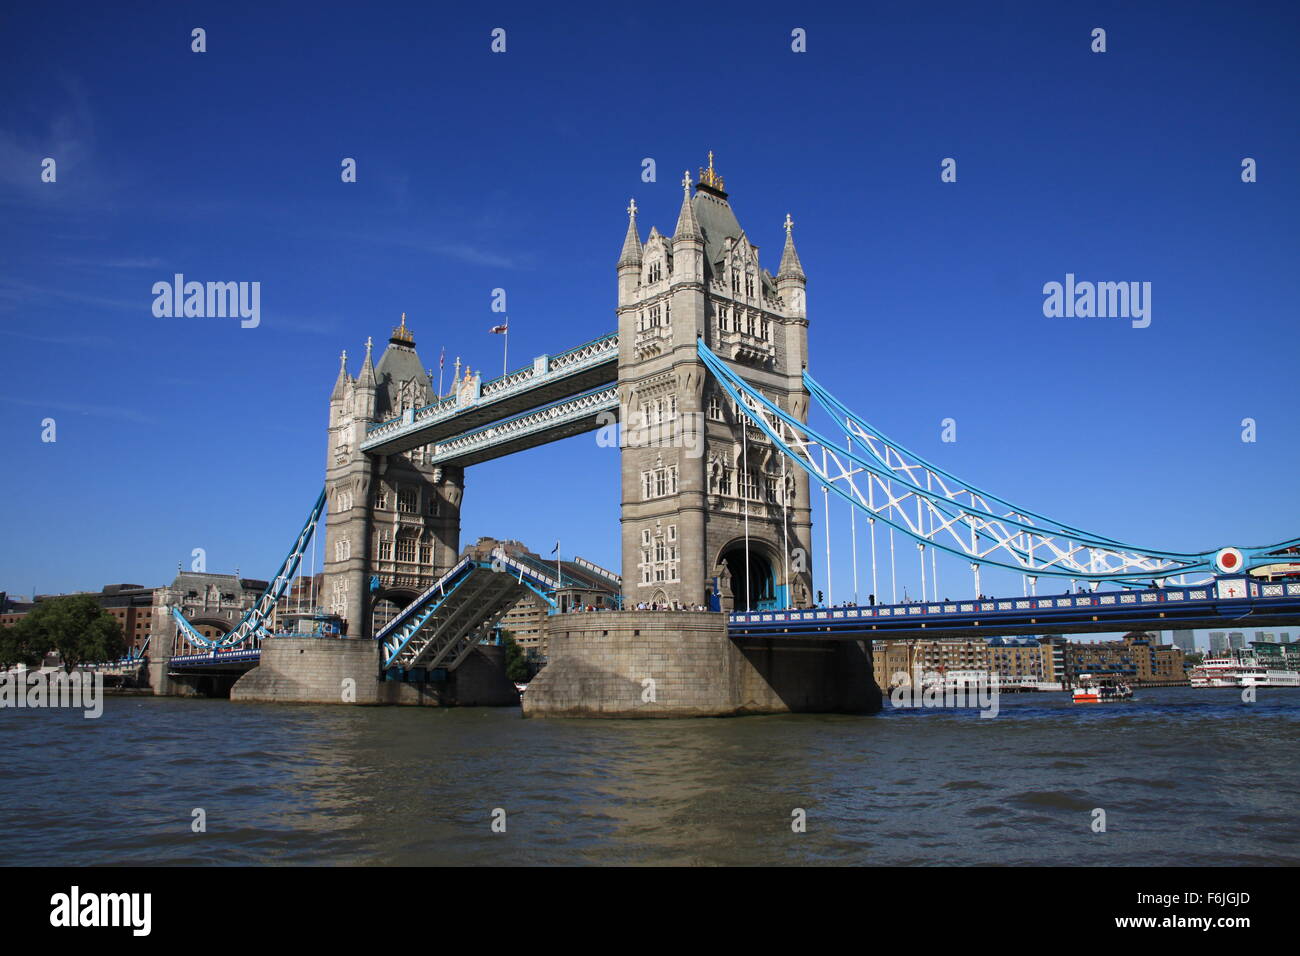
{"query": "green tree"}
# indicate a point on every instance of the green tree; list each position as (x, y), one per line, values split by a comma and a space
(75, 626)
(516, 666)
(16, 646)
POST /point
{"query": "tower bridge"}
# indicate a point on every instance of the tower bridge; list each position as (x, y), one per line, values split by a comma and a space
(713, 344)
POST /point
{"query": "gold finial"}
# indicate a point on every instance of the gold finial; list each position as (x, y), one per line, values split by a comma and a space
(710, 178)
(402, 335)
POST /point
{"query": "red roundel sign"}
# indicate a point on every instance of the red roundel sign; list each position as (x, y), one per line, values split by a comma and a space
(1229, 561)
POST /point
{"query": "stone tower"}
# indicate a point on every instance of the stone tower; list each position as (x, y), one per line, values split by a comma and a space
(393, 523)
(689, 503)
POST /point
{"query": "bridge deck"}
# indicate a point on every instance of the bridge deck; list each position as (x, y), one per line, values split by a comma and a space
(1211, 605)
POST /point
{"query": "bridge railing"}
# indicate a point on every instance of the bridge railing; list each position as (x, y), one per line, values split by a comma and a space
(1215, 592)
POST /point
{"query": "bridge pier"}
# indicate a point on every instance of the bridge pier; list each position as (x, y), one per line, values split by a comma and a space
(312, 670)
(684, 664)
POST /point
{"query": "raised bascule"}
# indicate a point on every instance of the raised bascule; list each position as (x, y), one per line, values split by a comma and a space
(707, 376)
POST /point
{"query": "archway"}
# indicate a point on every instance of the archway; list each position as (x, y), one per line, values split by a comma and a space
(761, 590)
(388, 604)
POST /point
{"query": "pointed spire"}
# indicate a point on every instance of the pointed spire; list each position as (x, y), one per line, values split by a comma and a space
(367, 376)
(688, 227)
(632, 242)
(791, 267)
(342, 382)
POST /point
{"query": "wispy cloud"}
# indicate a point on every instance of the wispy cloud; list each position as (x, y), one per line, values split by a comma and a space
(98, 411)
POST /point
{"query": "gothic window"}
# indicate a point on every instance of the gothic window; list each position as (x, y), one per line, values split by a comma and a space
(668, 313)
(426, 551)
(647, 485)
(715, 407)
(656, 271)
(381, 498)
(749, 286)
(384, 546)
(408, 500)
(342, 549)
(735, 281)
(434, 504)
(406, 548)
(339, 603)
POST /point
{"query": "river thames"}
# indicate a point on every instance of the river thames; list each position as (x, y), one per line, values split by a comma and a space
(1185, 777)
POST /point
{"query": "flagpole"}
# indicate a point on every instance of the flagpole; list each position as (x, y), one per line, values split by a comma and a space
(442, 360)
(505, 347)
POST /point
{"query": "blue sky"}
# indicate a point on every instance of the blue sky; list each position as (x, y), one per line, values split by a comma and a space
(480, 170)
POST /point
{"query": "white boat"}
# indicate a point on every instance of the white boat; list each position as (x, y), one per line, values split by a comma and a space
(1239, 672)
(1091, 690)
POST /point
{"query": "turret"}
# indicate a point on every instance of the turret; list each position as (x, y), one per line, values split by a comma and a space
(629, 261)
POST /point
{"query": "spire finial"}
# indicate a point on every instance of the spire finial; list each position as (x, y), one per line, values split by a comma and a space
(686, 181)
(402, 335)
(343, 359)
(631, 208)
(710, 178)
(369, 345)
(789, 224)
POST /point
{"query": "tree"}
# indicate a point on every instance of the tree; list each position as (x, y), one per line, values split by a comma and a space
(16, 646)
(516, 666)
(75, 626)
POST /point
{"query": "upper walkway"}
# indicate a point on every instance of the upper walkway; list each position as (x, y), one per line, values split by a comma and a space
(550, 379)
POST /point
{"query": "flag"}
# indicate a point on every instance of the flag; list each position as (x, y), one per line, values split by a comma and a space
(500, 329)
(556, 548)
(442, 359)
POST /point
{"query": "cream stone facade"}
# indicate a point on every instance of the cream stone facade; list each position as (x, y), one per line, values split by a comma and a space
(695, 486)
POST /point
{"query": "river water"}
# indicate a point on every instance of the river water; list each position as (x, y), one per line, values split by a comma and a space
(1185, 777)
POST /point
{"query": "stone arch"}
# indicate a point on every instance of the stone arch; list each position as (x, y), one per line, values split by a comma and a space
(387, 603)
(765, 570)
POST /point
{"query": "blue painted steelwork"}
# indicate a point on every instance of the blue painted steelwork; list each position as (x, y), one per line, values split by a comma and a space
(1056, 549)
(470, 596)
(1226, 599)
(253, 624)
(232, 656)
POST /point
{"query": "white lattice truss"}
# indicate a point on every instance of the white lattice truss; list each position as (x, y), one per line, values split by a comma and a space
(567, 412)
(441, 627)
(936, 510)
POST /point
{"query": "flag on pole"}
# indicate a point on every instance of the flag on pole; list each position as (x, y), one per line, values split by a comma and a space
(556, 548)
(501, 329)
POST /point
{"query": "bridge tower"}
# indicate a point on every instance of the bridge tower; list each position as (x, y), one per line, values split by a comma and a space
(702, 502)
(393, 524)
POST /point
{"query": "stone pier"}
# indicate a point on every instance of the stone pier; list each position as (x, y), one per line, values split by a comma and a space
(683, 664)
(346, 671)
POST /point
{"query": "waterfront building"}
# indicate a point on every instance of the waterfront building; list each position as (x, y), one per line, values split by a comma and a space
(584, 584)
(1276, 655)
(1137, 657)
(130, 604)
